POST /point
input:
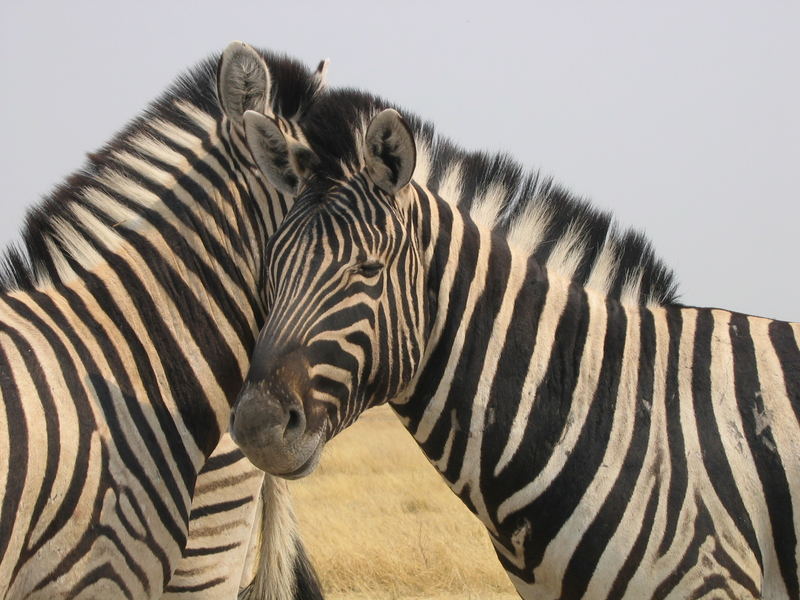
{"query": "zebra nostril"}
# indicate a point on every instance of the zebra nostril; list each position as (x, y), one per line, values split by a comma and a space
(295, 423)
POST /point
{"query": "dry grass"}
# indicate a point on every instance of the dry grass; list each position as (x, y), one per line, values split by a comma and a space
(379, 522)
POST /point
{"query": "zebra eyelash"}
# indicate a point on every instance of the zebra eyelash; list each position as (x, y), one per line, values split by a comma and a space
(367, 269)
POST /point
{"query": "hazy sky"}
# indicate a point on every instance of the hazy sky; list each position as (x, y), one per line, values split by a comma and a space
(683, 118)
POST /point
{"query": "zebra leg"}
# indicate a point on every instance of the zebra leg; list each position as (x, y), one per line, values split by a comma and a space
(224, 511)
(278, 567)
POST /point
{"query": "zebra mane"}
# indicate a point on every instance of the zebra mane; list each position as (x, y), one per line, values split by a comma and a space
(190, 104)
(562, 231)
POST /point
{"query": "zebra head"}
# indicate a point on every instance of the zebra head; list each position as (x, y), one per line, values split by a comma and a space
(347, 319)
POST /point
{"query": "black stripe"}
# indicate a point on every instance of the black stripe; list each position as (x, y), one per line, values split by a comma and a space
(219, 507)
(465, 275)
(507, 387)
(636, 553)
(17, 451)
(220, 461)
(190, 552)
(766, 459)
(785, 345)
(678, 477)
(198, 587)
(587, 554)
(713, 453)
(472, 360)
(555, 394)
(554, 506)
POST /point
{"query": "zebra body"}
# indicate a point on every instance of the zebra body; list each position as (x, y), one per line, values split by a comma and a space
(613, 443)
(89, 520)
(611, 450)
(126, 326)
(225, 509)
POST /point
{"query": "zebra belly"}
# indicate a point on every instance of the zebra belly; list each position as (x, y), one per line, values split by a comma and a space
(698, 567)
(656, 547)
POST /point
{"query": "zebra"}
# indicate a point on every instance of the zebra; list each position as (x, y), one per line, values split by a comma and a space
(613, 442)
(126, 320)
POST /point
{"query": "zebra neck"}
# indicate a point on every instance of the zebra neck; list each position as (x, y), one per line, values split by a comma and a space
(511, 351)
(171, 262)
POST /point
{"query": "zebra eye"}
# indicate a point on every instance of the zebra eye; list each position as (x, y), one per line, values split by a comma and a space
(369, 268)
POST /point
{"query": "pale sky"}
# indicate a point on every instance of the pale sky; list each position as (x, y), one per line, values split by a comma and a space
(682, 118)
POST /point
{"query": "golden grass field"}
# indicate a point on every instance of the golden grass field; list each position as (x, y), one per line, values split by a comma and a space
(380, 523)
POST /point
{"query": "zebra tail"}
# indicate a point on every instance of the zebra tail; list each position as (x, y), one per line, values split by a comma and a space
(282, 569)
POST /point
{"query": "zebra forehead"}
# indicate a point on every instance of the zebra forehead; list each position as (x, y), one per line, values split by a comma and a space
(339, 231)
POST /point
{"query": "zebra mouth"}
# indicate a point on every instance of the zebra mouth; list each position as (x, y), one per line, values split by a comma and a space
(307, 467)
(291, 461)
(276, 433)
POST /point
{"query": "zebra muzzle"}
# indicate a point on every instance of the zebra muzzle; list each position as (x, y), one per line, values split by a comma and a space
(271, 429)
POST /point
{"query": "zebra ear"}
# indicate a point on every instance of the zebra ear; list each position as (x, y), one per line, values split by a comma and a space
(285, 163)
(243, 81)
(320, 76)
(389, 151)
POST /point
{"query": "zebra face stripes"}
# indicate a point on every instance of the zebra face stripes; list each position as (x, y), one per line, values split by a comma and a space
(338, 339)
(613, 447)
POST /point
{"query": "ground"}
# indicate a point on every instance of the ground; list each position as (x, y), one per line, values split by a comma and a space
(380, 524)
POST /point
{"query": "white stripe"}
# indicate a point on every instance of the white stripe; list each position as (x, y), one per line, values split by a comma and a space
(554, 305)
(591, 362)
(471, 467)
(561, 548)
(780, 419)
(434, 408)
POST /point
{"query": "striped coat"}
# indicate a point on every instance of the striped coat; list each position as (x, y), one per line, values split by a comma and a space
(614, 443)
(126, 321)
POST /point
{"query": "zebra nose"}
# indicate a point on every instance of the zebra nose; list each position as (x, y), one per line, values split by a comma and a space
(263, 419)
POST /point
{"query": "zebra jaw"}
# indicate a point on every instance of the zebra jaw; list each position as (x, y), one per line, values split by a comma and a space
(272, 430)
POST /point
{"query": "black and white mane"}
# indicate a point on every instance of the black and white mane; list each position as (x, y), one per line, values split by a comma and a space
(565, 233)
(31, 262)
